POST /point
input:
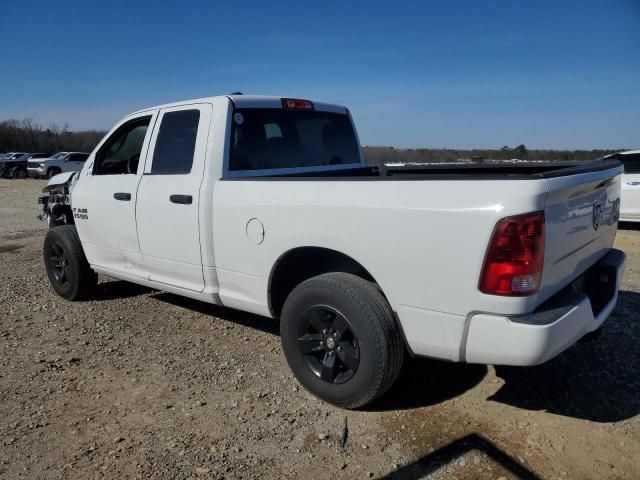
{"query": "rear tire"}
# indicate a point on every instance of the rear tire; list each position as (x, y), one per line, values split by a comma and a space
(69, 273)
(340, 339)
(53, 171)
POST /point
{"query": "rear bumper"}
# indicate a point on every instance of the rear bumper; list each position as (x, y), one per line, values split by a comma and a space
(554, 326)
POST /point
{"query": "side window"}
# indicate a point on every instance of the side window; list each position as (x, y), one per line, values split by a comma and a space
(80, 157)
(631, 163)
(176, 142)
(121, 152)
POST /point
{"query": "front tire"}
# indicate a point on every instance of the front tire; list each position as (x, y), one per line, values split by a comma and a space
(69, 273)
(340, 339)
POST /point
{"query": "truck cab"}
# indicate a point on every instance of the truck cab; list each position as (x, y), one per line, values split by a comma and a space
(151, 180)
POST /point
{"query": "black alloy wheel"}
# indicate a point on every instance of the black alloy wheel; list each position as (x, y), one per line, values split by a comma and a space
(340, 339)
(329, 345)
(69, 272)
(59, 264)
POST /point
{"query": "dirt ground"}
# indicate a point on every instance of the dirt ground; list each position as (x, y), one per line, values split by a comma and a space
(144, 384)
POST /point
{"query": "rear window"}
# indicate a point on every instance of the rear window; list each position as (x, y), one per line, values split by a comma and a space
(272, 138)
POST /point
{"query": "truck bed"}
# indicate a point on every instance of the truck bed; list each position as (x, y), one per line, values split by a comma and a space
(525, 170)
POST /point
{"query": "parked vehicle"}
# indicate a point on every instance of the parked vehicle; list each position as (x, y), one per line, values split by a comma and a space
(630, 205)
(35, 166)
(8, 158)
(264, 204)
(16, 165)
(59, 163)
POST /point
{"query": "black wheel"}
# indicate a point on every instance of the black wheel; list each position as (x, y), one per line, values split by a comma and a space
(53, 171)
(340, 339)
(67, 268)
(19, 173)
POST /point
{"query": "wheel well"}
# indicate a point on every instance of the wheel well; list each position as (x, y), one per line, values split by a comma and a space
(302, 263)
(61, 215)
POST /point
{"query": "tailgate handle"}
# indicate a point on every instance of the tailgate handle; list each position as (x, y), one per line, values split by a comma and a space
(183, 199)
(126, 197)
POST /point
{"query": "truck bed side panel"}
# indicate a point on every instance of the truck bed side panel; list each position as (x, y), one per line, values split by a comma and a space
(423, 242)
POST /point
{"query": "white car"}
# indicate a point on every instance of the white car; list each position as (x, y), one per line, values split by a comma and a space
(630, 202)
(264, 204)
(59, 163)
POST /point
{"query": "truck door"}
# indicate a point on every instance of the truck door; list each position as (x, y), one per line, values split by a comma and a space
(168, 201)
(104, 198)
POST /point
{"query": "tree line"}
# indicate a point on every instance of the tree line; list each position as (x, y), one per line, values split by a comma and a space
(378, 155)
(28, 136)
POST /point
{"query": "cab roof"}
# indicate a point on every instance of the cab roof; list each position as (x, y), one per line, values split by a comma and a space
(251, 101)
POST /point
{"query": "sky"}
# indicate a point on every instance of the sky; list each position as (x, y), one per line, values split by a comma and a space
(455, 74)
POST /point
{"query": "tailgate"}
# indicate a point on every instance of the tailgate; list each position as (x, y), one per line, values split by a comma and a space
(581, 213)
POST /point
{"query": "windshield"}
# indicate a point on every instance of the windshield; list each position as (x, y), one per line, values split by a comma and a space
(58, 155)
(265, 138)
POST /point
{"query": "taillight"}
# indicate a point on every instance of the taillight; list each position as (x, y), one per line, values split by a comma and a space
(513, 264)
(296, 104)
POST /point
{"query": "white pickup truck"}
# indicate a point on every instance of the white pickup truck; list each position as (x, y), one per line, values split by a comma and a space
(265, 205)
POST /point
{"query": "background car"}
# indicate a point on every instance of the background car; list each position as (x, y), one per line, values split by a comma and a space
(630, 199)
(35, 166)
(58, 163)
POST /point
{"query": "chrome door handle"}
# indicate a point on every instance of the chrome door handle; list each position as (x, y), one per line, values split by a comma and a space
(633, 183)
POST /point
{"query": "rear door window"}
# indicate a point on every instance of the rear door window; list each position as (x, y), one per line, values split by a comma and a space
(176, 142)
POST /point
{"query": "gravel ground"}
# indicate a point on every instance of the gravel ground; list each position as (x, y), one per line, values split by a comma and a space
(144, 384)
